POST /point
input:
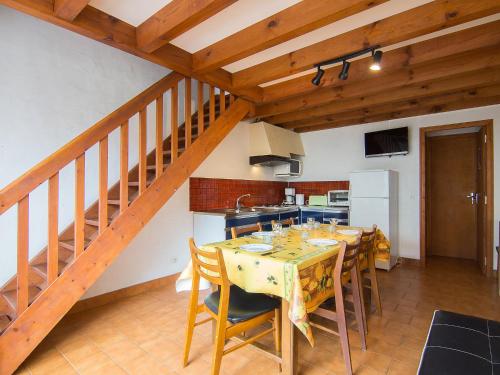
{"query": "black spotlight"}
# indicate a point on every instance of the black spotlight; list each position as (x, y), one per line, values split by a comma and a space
(317, 78)
(377, 57)
(344, 73)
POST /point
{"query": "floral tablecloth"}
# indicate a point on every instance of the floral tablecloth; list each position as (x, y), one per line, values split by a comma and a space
(295, 270)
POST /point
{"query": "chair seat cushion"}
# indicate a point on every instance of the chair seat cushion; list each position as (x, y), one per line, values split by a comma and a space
(242, 305)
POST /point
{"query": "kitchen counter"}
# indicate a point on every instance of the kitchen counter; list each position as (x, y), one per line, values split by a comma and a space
(249, 211)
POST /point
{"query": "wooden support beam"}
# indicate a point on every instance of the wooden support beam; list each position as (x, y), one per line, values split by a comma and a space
(53, 233)
(174, 122)
(175, 18)
(159, 136)
(187, 112)
(79, 226)
(418, 111)
(124, 166)
(456, 83)
(100, 26)
(291, 22)
(103, 184)
(69, 9)
(452, 65)
(466, 40)
(45, 312)
(436, 101)
(425, 19)
(22, 257)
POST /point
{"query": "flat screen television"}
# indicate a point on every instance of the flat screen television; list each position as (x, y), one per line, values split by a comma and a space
(386, 142)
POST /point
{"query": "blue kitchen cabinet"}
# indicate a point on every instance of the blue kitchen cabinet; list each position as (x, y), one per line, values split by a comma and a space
(290, 214)
(341, 215)
(316, 214)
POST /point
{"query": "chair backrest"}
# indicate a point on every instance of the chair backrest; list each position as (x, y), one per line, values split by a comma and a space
(288, 222)
(347, 258)
(209, 264)
(237, 231)
(367, 240)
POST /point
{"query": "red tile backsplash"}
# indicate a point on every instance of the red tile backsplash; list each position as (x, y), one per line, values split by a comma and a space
(212, 193)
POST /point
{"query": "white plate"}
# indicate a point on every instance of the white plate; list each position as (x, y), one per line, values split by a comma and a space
(322, 242)
(263, 234)
(256, 247)
(348, 232)
(298, 226)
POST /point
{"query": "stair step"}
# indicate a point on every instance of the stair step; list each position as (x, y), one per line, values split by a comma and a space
(153, 167)
(42, 268)
(4, 322)
(136, 183)
(95, 221)
(169, 152)
(70, 244)
(11, 296)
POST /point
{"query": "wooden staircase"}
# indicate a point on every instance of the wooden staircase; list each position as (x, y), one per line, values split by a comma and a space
(46, 286)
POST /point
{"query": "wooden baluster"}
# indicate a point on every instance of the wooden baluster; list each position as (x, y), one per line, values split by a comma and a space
(222, 102)
(123, 166)
(159, 136)
(103, 184)
(174, 122)
(79, 205)
(53, 235)
(212, 106)
(201, 112)
(231, 99)
(187, 111)
(142, 150)
(22, 254)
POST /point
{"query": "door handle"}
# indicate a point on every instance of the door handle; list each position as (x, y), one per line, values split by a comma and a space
(474, 197)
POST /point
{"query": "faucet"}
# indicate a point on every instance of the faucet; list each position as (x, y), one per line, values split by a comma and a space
(238, 205)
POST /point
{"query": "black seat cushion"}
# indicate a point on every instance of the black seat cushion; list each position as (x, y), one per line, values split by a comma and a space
(461, 344)
(242, 305)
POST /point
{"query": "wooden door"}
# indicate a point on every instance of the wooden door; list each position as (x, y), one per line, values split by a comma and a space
(452, 176)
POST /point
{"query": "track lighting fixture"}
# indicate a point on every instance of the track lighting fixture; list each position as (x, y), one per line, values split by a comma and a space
(317, 78)
(377, 58)
(344, 73)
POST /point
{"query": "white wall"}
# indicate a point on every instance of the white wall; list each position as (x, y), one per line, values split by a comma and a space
(332, 154)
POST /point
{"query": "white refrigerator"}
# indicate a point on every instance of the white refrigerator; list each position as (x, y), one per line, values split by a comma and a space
(374, 200)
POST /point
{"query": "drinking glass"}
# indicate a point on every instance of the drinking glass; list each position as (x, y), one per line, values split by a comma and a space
(333, 225)
(310, 222)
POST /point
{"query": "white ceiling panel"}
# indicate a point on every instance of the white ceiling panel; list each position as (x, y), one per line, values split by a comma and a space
(133, 12)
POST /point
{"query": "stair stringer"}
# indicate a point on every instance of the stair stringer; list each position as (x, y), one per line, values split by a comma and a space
(30, 328)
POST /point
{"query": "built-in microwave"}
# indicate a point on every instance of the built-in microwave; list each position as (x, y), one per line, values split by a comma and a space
(293, 168)
(338, 198)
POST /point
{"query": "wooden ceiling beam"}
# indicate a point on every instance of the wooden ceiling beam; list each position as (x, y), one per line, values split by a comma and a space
(291, 22)
(109, 30)
(452, 84)
(69, 9)
(174, 19)
(425, 19)
(415, 54)
(436, 101)
(452, 65)
(420, 111)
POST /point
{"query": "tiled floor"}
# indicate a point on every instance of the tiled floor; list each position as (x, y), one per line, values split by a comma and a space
(145, 334)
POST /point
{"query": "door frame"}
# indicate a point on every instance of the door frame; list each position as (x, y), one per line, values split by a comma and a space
(488, 243)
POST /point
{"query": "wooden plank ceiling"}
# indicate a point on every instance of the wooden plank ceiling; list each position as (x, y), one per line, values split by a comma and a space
(439, 55)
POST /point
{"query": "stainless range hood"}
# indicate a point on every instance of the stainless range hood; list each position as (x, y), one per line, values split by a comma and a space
(271, 145)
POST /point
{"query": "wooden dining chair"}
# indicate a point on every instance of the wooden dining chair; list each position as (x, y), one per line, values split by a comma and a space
(367, 266)
(288, 222)
(346, 273)
(238, 231)
(234, 310)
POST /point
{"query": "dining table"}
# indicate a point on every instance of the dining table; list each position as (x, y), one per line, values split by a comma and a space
(298, 269)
